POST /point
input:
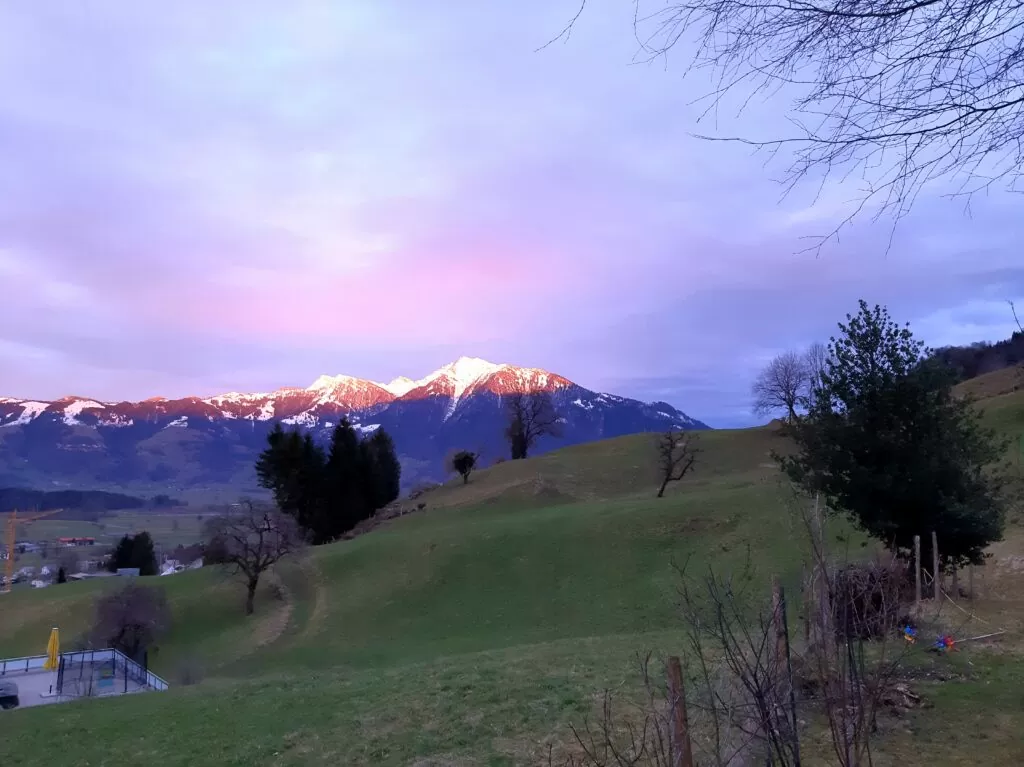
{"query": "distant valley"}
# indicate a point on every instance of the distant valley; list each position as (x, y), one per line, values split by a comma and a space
(205, 442)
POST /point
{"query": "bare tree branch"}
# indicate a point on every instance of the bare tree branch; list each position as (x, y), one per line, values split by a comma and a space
(677, 452)
(530, 417)
(901, 93)
(781, 386)
(253, 540)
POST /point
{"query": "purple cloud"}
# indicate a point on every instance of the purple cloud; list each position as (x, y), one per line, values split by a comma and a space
(244, 195)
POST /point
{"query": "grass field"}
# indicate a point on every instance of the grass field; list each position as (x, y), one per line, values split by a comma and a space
(477, 631)
(168, 528)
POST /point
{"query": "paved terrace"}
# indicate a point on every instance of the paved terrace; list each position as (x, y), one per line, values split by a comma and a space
(87, 673)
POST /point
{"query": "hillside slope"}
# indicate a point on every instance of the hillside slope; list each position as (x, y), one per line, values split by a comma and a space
(476, 631)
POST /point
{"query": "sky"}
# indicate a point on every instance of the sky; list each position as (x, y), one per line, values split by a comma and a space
(203, 197)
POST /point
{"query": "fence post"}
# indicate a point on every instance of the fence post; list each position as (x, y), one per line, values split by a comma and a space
(789, 675)
(917, 574)
(682, 751)
(970, 581)
(806, 603)
(935, 566)
(778, 607)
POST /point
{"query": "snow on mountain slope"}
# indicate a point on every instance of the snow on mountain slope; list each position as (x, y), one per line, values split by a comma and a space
(195, 441)
(327, 396)
(399, 386)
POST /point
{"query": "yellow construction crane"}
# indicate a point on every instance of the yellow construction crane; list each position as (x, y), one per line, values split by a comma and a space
(12, 535)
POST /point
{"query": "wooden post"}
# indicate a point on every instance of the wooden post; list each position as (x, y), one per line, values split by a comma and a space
(787, 657)
(956, 583)
(682, 751)
(970, 582)
(806, 602)
(778, 621)
(936, 581)
(917, 574)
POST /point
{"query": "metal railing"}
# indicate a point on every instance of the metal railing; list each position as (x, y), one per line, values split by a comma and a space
(135, 671)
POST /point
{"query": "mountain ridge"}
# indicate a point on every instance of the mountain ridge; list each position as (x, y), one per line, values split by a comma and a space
(195, 440)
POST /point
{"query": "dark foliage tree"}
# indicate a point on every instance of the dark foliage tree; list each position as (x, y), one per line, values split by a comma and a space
(292, 468)
(677, 453)
(348, 484)
(382, 470)
(895, 93)
(62, 576)
(782, 386)
(982, 357)
(888, 442)
(530, 417)
(215, 550)
(463, 462)
(134, 551)
(94, 501)
(328, 495)
(254, 539)
(131, 619)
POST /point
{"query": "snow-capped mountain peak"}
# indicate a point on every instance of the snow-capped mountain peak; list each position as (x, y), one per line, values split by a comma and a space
(465, 372)
(332, 383)
(399, 386)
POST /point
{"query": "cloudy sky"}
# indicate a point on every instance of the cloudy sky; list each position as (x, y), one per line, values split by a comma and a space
(198, 197)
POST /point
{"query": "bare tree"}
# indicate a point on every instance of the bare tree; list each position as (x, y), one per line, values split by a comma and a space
(900, 92)
(816, 359)
(677, 452)
(851, 667)
(131, 619)
(463, 462)
(780, 387)
(530, 417)
(253, 539)
(740, 709)
(1014, 310)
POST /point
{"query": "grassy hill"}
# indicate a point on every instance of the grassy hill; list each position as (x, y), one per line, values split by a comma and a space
(476, 631)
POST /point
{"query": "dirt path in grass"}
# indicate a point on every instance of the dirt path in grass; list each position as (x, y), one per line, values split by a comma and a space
(318, 614)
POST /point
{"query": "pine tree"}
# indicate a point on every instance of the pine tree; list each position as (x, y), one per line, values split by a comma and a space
(346, 501)
(121, 556)
(143, 554)
(292, 468)
(383, 471)
(888, 442)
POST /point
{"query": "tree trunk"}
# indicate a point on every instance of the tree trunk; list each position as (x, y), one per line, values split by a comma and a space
(661, 490)
(465, 479)
(250, 595)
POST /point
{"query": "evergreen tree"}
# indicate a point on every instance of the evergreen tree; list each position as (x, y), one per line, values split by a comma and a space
(292, 468)
(143, 554)
(888, 442)
(346, 498)
(383, 471)
(134, 551)
(121, 556)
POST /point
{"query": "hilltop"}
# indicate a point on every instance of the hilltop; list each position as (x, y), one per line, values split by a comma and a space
(476, 630)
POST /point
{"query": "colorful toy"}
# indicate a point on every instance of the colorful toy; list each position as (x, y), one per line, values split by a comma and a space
(944, 643)
(910, 634)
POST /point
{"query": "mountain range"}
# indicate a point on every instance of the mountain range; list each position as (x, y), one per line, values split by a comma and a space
(199, 442)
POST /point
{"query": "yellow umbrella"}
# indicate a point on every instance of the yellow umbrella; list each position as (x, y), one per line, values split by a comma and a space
(52, 650)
